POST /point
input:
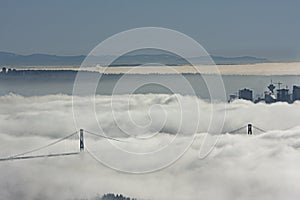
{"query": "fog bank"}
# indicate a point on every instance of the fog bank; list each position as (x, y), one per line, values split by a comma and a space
(263, 166)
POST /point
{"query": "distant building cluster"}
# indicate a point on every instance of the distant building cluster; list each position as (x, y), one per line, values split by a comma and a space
(8, 73)
(112, 196)
(270, 96)
(7, 70)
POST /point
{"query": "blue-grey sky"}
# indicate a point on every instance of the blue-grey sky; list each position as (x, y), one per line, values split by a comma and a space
(261, 28)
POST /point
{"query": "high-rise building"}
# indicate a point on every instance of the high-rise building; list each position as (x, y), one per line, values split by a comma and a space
(269, 97)
(296, 93)
(283, 95)
(232, 97)
(3, 70)
(246, 94)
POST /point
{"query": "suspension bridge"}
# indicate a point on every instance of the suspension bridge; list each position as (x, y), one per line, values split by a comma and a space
(25, 155)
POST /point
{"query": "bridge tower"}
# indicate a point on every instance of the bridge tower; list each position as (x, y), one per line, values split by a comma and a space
(81, 141)
(249, 129)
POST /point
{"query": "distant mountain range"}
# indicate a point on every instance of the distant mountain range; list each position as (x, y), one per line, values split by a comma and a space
(12, 59)
(38, 59)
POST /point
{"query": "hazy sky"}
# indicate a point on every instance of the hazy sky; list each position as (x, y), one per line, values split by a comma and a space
(268, 29)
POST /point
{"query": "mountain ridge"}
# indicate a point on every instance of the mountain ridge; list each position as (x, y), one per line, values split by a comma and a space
(7, 58)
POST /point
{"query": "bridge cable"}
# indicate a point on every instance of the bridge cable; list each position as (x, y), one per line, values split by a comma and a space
(259, 129)
(43, 147)
(38, 156)
(238, 129)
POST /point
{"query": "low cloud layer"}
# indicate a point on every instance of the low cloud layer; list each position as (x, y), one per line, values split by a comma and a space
(262, 166)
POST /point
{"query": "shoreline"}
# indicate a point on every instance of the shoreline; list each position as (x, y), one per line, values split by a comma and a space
(292, 68)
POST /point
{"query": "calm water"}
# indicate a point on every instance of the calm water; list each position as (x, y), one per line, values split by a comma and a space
(44, 83)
